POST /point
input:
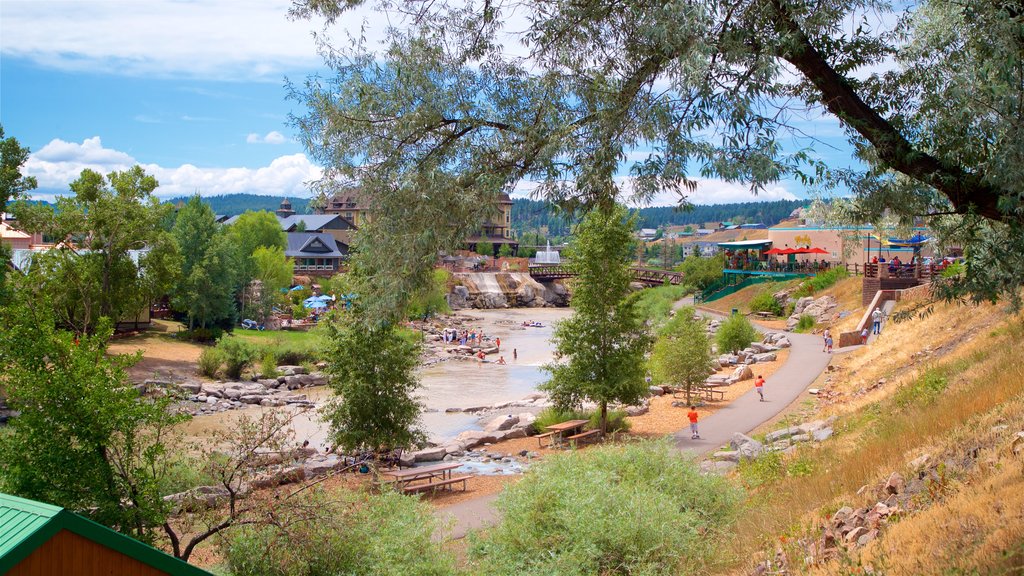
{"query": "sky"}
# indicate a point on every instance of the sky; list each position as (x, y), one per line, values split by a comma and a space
(194, 91)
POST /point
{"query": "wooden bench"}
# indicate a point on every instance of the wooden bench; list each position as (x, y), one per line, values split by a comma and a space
(417, 488)
(541, 437)
(583, 436)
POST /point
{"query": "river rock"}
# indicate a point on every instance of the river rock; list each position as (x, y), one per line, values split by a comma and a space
(473, 438)
(435, 454)
(747, 447)
(251, 399)
(290, 370)
(501, 423)
(822, 434)
(742, 373)
(727, 455)
(289, 475)
(780, 434)
(765, 357)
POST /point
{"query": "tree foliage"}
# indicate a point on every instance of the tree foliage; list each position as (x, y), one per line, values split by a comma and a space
(250, 231)
(701, 271)
(681, 355)
(205, 287)
(84, 439)
(616, 509)
(372, 370)
(599, 350)
(735, 333)
(13, 184)
(273, 271)
(90, 273)
(714, 87)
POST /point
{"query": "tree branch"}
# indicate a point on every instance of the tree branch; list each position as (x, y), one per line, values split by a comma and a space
(967, 191)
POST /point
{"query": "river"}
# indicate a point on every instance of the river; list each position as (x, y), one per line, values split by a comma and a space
(452, 384)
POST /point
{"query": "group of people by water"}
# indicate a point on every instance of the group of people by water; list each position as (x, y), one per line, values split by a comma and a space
(470, 337)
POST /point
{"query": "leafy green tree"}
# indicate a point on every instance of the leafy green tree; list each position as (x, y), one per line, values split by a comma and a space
(599, 350)
(372, 370)
(681, 355)
(701, 272)
(205, 288)
(250, 231)
(273, 271)
(505, 250)
(735, 333)
(84, 439)
(13, 184)
(90, 273)
(938, 130)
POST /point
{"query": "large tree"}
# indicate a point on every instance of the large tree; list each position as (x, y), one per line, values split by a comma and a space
(372, 370)
(84, 439)
(930, 99)
(681, 356)
(205, 287)
(91, 272)
(13, 184)
(250, 231)
(599, 350)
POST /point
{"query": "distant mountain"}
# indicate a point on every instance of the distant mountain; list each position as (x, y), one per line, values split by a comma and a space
(234, 204)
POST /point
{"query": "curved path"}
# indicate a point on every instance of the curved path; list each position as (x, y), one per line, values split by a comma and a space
(805, 363)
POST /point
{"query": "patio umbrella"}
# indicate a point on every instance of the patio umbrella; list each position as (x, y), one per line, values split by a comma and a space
(817, 251)
(773, 252)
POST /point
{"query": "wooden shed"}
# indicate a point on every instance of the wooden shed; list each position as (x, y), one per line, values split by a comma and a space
(38, 539)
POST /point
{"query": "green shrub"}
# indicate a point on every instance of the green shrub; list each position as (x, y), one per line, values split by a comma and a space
(210, 360)
(806, 323)
(735, 333)
(924, 390)
(202, 335)
(344, 533)
(616, 421)
(765, 469)
(821, 281)
(765, 302)
(184, 473)
(297, 297)
(655, 304)
(268, 365)
(293, 353)
(549, 416)
(236, 354)
(616, 509)
(702, 272)
(299, 312)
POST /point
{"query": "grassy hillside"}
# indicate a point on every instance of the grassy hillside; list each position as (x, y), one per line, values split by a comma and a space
(936, 400)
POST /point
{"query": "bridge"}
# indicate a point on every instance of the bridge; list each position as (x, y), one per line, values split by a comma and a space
(647, 276)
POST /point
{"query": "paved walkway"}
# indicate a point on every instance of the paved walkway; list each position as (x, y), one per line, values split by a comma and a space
(806, 361)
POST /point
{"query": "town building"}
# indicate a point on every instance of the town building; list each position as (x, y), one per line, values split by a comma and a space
(316, 253)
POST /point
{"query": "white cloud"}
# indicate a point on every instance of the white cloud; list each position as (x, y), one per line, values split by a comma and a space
(215, 39)
(272, 137)
(59, 163)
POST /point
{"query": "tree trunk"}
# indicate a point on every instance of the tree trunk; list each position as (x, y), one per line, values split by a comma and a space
(604, 418)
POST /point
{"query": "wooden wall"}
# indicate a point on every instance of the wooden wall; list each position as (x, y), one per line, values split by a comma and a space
(70, 554)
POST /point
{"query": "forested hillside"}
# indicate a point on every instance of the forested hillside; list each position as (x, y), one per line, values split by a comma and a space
(233, 204)
(532, 215)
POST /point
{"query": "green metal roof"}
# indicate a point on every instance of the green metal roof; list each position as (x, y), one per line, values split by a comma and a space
(26, 525)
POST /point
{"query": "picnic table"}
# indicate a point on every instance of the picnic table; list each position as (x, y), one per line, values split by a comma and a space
(568, 430)
(424, 478)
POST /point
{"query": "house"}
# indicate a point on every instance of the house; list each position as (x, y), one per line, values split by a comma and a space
(38, 539)
(496, 230)
(316, 253)
(647, 233)
(332, 224)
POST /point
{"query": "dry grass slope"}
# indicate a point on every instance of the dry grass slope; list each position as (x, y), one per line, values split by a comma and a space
(973, 521)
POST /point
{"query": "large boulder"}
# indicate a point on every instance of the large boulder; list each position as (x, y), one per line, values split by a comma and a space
(458, 298)
(501, 423)
(473, 438)
(747, 447)
(742, 373)
(435, 454)
(780, 434)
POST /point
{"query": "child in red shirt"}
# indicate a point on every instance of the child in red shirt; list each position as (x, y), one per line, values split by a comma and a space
(692, 415)
(759, 386)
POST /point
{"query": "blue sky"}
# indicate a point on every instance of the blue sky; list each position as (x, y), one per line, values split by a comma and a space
(193, 90)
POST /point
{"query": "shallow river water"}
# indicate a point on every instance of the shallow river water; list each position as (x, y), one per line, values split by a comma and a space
(451, 384)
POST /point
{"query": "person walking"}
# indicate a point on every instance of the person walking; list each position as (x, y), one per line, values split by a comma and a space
(497, 343)
(759, 386)
(825, 338)
(692, 415)
(864, 336)
(876, 320)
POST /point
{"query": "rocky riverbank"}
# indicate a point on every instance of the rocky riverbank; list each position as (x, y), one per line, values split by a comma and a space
(505, 290)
